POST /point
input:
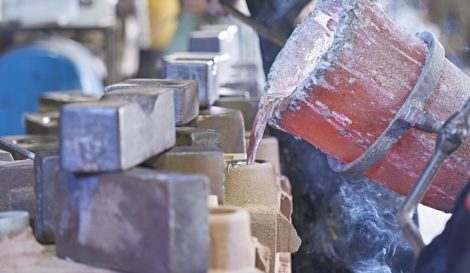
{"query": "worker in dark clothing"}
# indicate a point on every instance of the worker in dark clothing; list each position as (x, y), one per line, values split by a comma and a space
(346, 225)
(450, 251)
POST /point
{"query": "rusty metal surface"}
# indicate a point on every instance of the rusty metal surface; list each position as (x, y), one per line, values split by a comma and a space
(185, 94)
(155, 222)
(203, 160)
(191, 136)
(42, 124)
(229, 123)
(118, 132)
(53, 101)
(16, 185)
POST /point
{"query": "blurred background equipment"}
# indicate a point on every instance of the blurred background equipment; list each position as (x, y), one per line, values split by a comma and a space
(50, 65)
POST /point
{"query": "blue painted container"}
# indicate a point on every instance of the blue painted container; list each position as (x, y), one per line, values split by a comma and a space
(26, 73)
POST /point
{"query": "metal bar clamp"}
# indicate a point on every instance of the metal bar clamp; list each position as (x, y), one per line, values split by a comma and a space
(406, 117)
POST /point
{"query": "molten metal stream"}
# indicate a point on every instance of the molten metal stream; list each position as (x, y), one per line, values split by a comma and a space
(257, 131)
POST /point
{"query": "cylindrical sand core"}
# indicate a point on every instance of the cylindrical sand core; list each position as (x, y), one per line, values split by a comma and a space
(230, 239)
(13, 223)
(354, 69)
(253, 184)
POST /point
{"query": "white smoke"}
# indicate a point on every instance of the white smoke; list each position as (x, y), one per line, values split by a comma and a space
(362, 232)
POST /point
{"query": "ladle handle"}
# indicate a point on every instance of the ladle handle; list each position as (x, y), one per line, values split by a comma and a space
(452, 135)
(260, 29)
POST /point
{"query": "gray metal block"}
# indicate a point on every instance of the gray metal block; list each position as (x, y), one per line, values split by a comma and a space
(154, 222)
(185, 93)
(204, 160)
(47, 178)
(228, 92)
(246, 70)
(205, 41)
(216, 58)
(33, 143)
(118, 132)
(232, 29)
(250, 86)
(229, 123)
(22, 199)
(191, 136)
(5, 156)
(201, 67)
(53, 101)
(245, 77)
(221, 39)
(42, 123)
(16, 185)
(216, 38)
(248, 107)
(202, 72)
